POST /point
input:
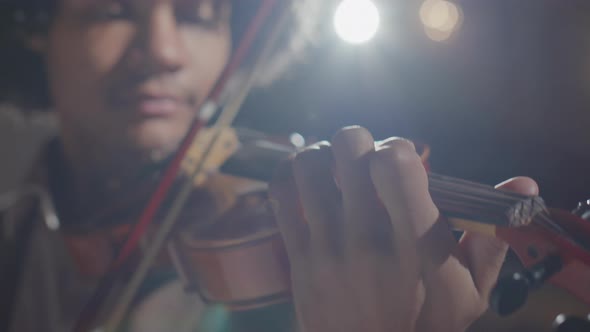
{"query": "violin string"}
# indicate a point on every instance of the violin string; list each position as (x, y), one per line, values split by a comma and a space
(453, 180)
(471, 197)
(453, 203)
(494, 195)
(546, 221)
(450, 208)
(450, 184)
(474, 201)
(446, 200)
(156, 244)
(479, 202)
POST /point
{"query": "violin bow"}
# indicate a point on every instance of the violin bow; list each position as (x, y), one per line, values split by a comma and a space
(225, 119)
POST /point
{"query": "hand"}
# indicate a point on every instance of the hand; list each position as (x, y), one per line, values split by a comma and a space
(368, 248)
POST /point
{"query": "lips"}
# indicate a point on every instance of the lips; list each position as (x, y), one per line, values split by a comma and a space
(153, 104)
(158, 106)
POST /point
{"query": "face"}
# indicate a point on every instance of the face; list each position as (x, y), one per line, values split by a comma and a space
(126, 76)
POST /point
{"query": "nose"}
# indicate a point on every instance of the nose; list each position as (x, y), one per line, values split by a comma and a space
(163, 42)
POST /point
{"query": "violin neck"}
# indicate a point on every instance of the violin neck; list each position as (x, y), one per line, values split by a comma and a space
(473, 202)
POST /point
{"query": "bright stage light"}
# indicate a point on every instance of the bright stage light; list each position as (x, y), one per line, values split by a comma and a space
(440, 18)
(356, 21)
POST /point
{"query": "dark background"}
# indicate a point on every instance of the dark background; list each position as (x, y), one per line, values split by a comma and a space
(506, 95)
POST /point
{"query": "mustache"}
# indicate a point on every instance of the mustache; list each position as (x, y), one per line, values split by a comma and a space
(168, 86)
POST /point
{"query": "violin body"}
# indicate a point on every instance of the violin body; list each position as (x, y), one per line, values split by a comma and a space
(226, 245)
(239, 261)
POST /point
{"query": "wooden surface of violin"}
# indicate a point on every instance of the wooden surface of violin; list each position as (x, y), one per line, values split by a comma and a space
(238, 257)
(239, 260)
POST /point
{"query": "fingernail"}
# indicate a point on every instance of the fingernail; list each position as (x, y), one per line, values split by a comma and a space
(351, 143)
(318, 146)
(394, 141)
(396, 152)
(397, 149)
(315, 155)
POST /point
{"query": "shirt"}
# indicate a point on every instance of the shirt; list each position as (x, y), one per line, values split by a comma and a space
(51, 292)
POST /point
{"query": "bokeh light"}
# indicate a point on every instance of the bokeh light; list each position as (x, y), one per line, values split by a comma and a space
(297, 140)
(356, 21)
(441, 19)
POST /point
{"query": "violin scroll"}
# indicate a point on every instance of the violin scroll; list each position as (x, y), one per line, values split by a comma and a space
(583, 210)
(511, 292)
(559, 256)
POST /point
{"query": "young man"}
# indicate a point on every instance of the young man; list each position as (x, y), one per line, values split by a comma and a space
(124, 78)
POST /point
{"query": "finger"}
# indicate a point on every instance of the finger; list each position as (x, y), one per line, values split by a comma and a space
(485, 255)
(320, 198)
(463, 281)
(435, 241)
(287, 209)
(366, 221)
(521, 185)
(401, 182)
(425, 243)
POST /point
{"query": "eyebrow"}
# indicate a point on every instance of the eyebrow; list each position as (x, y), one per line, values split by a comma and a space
(85, 4)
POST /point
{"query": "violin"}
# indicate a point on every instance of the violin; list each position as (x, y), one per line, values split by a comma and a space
(240, 260)
(237, 257)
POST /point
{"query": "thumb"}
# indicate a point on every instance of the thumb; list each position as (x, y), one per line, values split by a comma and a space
(485, 255)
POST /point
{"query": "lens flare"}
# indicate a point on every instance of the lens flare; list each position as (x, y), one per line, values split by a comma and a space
(441, 18)
(357, 21)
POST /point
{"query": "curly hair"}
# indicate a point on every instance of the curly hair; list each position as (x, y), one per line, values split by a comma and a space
(23, 78)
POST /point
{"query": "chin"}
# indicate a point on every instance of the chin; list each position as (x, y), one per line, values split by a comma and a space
(158, 139)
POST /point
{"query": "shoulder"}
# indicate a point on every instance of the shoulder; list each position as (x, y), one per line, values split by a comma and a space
(21, 140)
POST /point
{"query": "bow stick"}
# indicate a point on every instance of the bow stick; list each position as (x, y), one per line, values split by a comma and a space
(207, 110)
(226, 118)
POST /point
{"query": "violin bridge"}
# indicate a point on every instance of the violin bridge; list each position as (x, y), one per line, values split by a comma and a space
(225, 145)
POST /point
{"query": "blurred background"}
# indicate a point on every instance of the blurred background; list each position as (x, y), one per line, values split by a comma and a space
(497, 88)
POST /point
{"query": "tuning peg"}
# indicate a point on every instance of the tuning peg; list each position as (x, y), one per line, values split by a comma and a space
(583, 210)
(511, 292)
(563, 323)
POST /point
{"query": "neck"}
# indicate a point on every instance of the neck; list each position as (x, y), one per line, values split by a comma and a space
(94, 177)
(95, 169)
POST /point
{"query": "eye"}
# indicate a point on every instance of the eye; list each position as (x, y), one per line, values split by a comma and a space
(206, 14)
(111, 10)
